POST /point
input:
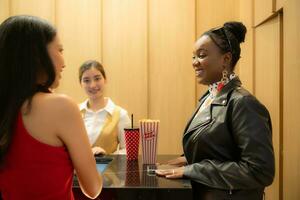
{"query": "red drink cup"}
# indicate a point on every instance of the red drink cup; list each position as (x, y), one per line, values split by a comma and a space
(132, 139)
(149, 134)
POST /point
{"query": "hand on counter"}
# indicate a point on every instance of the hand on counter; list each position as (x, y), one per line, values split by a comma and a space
(171, 173)
(98, 150)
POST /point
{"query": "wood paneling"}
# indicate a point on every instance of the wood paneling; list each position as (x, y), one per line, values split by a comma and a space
(291, 99)
(262, 10)
(279, 4)
(267, 85)
(79, 27)
(125, 53)
(215, 13)
(211, 14)
(171, 76)
(44, 9)
(245, 64)
(4, 10)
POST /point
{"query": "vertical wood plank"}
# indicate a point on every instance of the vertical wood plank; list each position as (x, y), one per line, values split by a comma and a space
(267, 85)
(44, 9)
(125, 53)
(171, 76)
(4, 10)
(245, 65)
(263, 10)
(291, 99)
(79, 27)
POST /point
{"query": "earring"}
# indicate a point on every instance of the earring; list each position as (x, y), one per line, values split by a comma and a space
(223, 81)
(224, 76)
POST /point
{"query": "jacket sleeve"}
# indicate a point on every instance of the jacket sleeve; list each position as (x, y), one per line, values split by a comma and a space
(251, 129)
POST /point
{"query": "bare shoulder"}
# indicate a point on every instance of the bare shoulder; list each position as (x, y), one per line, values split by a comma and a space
(55, 101)
(54, 106)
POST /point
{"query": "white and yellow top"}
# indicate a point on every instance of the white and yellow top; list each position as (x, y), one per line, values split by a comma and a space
(105, 127)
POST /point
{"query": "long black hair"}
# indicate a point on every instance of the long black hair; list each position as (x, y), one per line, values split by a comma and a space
(24, 60)
(228, 39)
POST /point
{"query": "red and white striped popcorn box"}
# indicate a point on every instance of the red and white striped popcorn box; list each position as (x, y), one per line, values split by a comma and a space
(149, 134)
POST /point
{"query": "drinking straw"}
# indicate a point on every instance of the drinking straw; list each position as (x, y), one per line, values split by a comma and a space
(132, 121)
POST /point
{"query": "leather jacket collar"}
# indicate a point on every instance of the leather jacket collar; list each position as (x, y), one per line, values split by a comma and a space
(220, 100)
(223, 96)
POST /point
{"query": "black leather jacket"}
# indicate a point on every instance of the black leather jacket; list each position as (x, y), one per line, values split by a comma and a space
(229, 146)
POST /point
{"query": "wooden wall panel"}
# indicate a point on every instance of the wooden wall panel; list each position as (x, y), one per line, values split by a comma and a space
(211, 14)
(245, 64)
(267, 85)
(262, 10)
(291, 99)
(215, 13)
(4, 10)
(279, 4)
(79, 27)
(44, 9)
(125, 54)
(171, 76)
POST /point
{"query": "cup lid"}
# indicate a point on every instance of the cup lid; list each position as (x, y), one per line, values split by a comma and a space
(129, 128)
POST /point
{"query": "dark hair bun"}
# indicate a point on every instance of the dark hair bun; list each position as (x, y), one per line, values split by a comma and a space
(238, 29)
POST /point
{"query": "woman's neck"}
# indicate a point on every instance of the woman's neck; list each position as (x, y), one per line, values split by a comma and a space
(97, 104)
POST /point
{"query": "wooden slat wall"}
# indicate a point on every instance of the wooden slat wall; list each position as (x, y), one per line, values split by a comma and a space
(245, 65)
(171, 76)
(291, 99)
(44, 9)
(79, 27)
(267, 85)
(125, 54)
(4, 10)
(279, 4)
(262, 10)
(286, 183)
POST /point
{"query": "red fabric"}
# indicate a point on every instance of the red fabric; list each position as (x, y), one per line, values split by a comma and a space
(220, 86)
(34, 170)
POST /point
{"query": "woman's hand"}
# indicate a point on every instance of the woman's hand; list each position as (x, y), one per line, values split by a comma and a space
(171, 173)
(98, 150)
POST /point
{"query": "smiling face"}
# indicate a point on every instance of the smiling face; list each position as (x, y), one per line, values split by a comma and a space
(93, 83)
(208, 61)
(55, 50)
